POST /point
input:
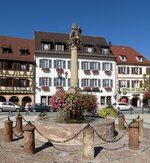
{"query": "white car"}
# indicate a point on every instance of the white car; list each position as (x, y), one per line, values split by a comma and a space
(9, 106)
(121, 106)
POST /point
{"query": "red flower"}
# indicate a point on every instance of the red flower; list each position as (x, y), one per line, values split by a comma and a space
(44, 69)
(107, 72)
(87, 72)
(95, 72)
(108, 89)
(87, 88)
(95, 88)
(45, 88)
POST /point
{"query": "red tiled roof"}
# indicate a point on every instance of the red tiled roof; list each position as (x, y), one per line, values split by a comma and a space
(16, 44)
(130, 54)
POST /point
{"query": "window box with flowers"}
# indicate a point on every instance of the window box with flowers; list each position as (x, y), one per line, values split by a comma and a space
(95, 72)
(107, 72)
(46, 70)
(59, 87)
(45, 88)
(87, 88)
(95, 89)
(60, 70)
(87, 72)
(108, 89)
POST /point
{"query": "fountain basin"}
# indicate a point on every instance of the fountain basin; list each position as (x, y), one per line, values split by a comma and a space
(55, 130)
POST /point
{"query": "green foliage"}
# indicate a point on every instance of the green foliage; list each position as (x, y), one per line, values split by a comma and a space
(107, 111)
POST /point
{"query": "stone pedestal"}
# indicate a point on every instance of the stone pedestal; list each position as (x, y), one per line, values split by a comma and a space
(19, 123)
(121, 124)
(29, 139)
(88, 143)
(8, 131)
(134, 136)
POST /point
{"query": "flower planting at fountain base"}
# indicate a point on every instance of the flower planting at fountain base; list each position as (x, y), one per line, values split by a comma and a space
(73, 105)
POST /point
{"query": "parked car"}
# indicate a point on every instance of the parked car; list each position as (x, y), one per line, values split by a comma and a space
(39, 108)
(122, 106)
(9, 106)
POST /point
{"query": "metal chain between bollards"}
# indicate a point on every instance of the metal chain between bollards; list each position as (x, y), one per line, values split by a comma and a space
(113, 139)
(63, 140)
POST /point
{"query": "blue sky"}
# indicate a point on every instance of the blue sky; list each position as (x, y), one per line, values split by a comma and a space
(123, 22)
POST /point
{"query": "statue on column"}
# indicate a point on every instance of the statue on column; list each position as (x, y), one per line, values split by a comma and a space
(75, 35)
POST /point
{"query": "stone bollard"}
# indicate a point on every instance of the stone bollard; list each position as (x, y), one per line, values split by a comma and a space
(18, 127)
(121, 125)
(134, 136)
(140, 122)
(88, 143)
(29, 138)
(8, 131)
(141, 132)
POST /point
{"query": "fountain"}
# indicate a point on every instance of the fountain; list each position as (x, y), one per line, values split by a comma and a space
(73, 103)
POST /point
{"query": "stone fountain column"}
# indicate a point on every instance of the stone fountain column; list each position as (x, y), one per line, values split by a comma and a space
(74, 66)
(74, 41)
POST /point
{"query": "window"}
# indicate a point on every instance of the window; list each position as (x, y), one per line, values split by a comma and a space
(105, 50)
(123, 57)
(6, 50)
(123, 83)
(135, 84)
(95, 82)
(59, 47)
(45, 81)
(95, 65)
(123, 70)
(24, 52)
(23, 66)
(45, 63)
(89, 49)
(85, 65)
(136, 70)
(46, 46)
(107, 83)
(139, 58)
(85, 82)
(102, 100)
(106, 66)
(59, 64)
(60, 82)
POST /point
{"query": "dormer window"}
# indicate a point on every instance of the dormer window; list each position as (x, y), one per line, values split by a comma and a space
(24, 51)
(139, 58)
(89, 49)
(6, 49)
(105, 50)
(123, 58)
(59, 47)
(46, 46)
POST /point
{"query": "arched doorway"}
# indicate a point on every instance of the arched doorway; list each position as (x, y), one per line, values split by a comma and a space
(2, 99)
(25, 100)
(14, 99)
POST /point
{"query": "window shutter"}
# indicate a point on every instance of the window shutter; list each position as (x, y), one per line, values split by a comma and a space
(128, 83)
(128, 70)
(99, 66)
(64, 64)
(141, 84)
(111, 67)
(55, 64)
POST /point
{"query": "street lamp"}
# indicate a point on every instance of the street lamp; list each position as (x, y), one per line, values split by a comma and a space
(60, 77)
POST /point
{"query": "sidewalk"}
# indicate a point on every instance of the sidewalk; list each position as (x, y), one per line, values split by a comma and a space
(117, 152)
